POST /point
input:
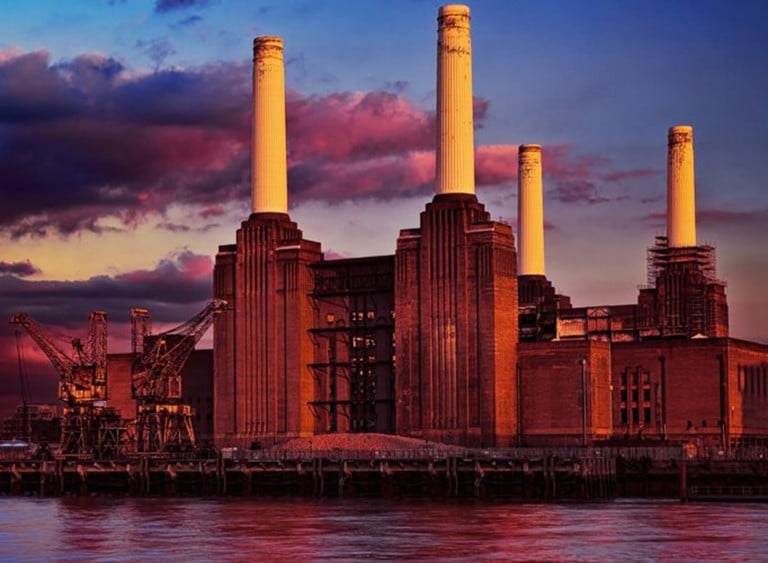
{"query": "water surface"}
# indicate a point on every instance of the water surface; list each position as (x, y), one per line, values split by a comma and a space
(129, 529)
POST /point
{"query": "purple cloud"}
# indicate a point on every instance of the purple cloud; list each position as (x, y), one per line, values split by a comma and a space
(87, 139)
(20, 269)
(577, 191)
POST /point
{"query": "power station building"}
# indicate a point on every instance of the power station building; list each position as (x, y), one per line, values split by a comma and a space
(460, 337)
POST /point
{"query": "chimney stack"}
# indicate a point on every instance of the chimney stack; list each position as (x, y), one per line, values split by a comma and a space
(455, 163)
(681, 201)
(530, 212)
(269, 175)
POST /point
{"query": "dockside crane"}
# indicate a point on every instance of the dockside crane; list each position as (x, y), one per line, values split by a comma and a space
(25, 429)
(88, 426)
(163, 420)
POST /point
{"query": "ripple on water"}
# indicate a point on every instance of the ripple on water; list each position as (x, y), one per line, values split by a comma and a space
(192, 530)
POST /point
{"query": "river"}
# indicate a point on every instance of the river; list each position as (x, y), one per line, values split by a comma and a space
(157, 529)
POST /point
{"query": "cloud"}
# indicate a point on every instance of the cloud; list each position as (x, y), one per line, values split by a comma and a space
(577, 191)
(355, 126)
(495, 164)
(165, 6)
(188, 21)
(717, 217)
(176, 286)
(725, 217)
(90, 145)
(20, 269)
(157, 50)
(87, 139)
(621, 175)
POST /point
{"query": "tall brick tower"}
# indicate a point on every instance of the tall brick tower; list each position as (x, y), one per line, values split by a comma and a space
(262, 347)
(456, 283)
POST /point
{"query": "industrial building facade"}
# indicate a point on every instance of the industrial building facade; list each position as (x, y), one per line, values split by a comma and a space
(457, 338)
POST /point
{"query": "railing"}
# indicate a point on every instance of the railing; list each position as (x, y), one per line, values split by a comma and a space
(488, 454)
(728, 492)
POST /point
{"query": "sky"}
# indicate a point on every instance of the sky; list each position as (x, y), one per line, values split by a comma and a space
(125, 139)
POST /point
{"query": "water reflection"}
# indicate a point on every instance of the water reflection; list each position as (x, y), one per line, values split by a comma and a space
(300, 529)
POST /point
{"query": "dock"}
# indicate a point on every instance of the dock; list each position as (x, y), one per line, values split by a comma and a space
(322, 474)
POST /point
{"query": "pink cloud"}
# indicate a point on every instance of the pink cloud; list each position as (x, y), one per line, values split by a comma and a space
(495, 164)
(349, 126)
(129, 146)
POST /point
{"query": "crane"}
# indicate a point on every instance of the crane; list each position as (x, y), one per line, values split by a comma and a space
(26, 431)
(163, 420)
(88, 426)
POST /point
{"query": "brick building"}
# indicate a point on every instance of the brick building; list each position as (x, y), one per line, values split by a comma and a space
(454, 339)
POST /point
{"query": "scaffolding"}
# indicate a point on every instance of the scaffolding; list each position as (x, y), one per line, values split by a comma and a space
(689, 297)
(661, 257)
(352, 320)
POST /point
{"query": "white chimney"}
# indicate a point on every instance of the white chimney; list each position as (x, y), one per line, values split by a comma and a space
(530, 212)
(455, 163)
(269, 175)
(681, 198)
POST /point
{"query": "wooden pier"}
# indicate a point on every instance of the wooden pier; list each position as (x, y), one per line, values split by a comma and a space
(522, 474)
(321, 474)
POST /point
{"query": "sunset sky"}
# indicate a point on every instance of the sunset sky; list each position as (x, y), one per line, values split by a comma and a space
(125, 136)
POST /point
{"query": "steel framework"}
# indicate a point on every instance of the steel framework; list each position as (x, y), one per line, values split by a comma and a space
(88, 426)
(163, 420)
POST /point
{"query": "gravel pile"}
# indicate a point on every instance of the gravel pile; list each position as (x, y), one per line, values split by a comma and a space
(376, 442)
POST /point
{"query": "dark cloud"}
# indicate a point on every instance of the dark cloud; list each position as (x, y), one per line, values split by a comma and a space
(717, 217)
(622, 175)
(177, 285)
(88, 140)
(165, 6)
(577, 191)
(157, 50)
(725, 217)
(20, 269)
(188, 21)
